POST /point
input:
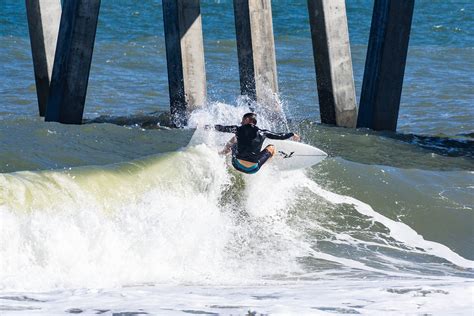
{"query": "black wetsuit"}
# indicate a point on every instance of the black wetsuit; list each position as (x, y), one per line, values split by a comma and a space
(249, 145)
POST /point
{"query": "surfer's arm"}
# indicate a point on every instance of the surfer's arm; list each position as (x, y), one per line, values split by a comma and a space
(228, 146)
(281, 136)
(226, 129)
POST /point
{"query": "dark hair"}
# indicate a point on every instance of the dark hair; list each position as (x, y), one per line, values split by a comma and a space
(252, 116)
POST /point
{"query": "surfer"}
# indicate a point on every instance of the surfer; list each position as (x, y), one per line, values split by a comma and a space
(246, 145)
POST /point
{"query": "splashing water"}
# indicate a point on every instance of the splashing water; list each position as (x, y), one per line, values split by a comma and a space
(186, 218)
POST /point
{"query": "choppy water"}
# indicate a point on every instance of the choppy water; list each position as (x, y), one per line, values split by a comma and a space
(122, 216)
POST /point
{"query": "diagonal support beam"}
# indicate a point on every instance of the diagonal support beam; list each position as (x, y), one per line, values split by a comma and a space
(385, 64)
(43, 24)
(72, 61)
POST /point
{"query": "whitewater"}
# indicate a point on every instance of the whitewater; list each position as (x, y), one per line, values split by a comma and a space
(181, 232)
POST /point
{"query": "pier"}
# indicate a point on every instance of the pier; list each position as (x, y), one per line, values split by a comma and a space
(62, 42)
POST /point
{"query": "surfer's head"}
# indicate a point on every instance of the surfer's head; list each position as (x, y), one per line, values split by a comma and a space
(249, 118)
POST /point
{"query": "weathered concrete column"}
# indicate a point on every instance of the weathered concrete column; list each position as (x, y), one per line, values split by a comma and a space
(43, 24)
(332, 57)
(385, 64)
(72, 61)
(185, 57)
(256, 48)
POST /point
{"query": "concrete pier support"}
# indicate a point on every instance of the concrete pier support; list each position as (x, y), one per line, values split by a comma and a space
(43, 24)
(72, 61)
(332, 57)
(256, 49)
(385, 64)
(185, 57)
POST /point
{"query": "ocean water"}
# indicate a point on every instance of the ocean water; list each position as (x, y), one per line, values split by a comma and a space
(121, 216)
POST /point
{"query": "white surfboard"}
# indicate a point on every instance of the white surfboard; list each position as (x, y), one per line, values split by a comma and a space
(292, 155)
(289, 155)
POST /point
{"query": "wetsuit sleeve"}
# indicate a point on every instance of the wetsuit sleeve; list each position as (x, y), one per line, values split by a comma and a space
(273, 135)
(226, 129)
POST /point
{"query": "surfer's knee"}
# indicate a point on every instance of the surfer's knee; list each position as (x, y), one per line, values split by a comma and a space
(271, 149)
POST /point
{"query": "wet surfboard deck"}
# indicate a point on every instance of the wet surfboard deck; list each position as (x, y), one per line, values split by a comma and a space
(292, 155)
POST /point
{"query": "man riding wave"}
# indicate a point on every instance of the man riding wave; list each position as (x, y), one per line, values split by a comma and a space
(246, 145)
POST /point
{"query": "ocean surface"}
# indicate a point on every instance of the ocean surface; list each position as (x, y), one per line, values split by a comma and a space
(119, 216)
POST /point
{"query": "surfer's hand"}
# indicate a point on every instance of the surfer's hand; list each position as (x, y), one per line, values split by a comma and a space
(296, 138)
(225, 151)
(228, 147)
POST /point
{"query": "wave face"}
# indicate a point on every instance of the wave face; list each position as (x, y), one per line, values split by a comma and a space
(185, 217)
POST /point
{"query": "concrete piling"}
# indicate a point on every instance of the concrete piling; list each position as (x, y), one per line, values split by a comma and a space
(185, 57)
(332, 58)
(43, 24)
(72, 61)
(61, 83)
(256, 49)
(385, 64)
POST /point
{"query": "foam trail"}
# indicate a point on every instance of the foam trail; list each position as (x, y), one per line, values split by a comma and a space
(282, 186)
(398, 230)
(358, 265)
(267, 179)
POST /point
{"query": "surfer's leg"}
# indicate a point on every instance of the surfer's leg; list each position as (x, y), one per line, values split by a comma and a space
(266, 154)
(249, 167)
